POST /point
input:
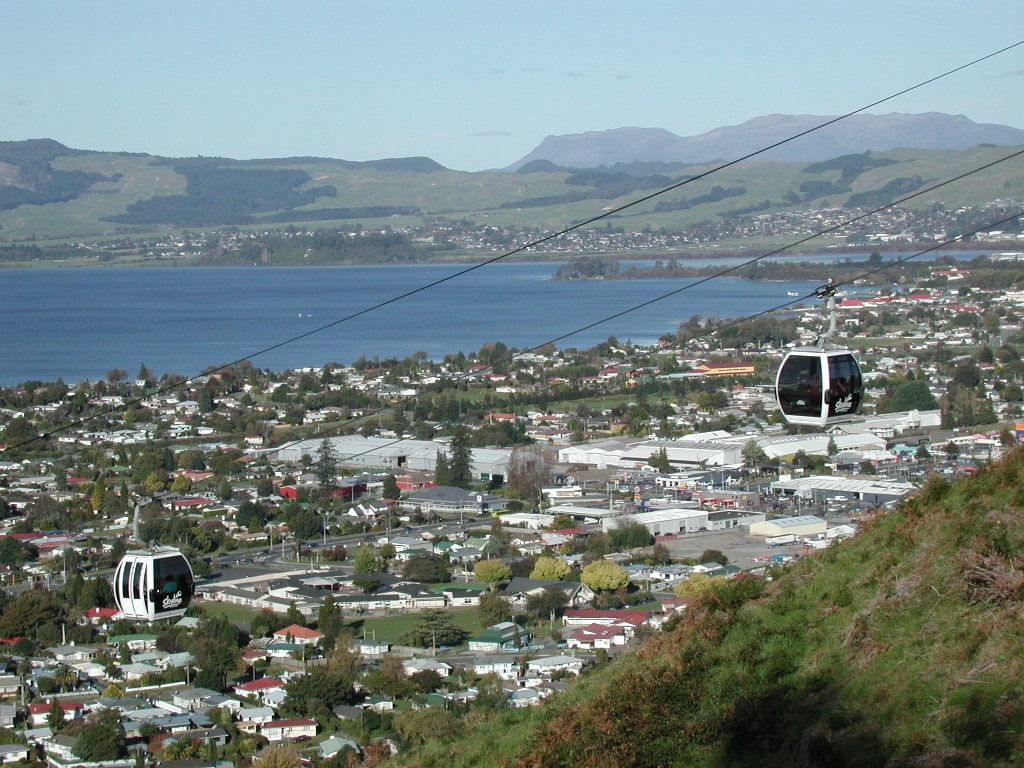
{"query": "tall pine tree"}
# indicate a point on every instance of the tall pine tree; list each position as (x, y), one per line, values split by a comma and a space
(460, 468)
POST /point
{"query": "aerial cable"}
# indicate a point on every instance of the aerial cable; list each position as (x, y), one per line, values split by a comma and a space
(527, 246)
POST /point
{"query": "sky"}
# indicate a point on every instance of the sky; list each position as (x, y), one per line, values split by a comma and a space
(478, 85)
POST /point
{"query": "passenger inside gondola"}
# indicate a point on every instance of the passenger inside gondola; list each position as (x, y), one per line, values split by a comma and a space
(799, 387)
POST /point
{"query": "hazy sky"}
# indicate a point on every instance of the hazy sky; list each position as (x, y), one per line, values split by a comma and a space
(477, 85)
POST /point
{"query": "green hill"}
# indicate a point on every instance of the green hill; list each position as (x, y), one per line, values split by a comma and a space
(50, 193)
(900, 647)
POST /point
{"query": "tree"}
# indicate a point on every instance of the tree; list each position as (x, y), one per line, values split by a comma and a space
(604, 575)
(426, 567)
(183, 748)
(528, 472)
(326, 467)
(422, 725)
(490, 693)
(426, 680)
(660, 555)
(714, 556)
(99, 493)
(460, 467)
(344, 659)
(753, 454)
(909, 396)
(434, 628)
(215, 651)
(631, 536)
(224, 490)
(315, 695)
(389, 678)
(442, 474)
(278, 756)
(103, 737)
(659, 460)
(697, 585)
(28, 611)
(181, 484)
(329, 620)
(55, 717)
(547, 603)
(66, 678)
(551, 569)
(391, 491)
(491, 572)
(494, 609)
(366, 560)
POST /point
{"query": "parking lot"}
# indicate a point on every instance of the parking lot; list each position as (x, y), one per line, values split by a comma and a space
(736, 544)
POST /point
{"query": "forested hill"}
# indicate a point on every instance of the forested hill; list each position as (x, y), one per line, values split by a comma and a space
(903, 646)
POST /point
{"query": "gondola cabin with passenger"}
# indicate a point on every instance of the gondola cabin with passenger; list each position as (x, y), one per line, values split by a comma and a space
(153, 584)
(820, 385)
(817, 387)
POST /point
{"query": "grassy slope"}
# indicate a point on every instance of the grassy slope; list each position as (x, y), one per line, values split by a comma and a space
(477, 195)
(901, 647)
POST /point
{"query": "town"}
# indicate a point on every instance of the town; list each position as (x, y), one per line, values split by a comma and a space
(381, 548)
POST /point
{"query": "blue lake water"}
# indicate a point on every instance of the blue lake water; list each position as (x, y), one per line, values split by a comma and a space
(78, 324)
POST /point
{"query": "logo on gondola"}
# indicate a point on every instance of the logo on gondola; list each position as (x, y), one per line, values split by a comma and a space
(844, 405)
(172, 601)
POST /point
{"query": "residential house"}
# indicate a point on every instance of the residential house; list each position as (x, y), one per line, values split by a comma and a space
(594, 636)
(39, 713)
(10, 685)
(458, 597)
(524, 697)
(70, 654)
(13, 753)
(251, 719)
(98, 617)
(191, 699)
(332, 746)
(288, 730)
(504, 667)
(259, 689)
(546, 666)
(628, 620)
(372, 649)
(520, 589)
(412, 666)
(296, 633)
(504, 636)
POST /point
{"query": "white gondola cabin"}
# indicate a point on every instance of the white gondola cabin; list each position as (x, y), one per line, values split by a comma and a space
(817, 387)
(820, 385)
(153, 584)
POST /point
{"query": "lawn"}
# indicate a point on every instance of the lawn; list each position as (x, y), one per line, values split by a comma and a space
(392, 628)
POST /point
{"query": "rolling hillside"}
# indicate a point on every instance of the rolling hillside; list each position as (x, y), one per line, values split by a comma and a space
(900, 647)
(50, 193)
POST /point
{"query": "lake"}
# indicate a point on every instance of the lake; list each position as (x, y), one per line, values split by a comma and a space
(78, 324)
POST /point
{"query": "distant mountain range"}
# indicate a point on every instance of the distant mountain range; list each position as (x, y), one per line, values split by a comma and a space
(852, 135)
